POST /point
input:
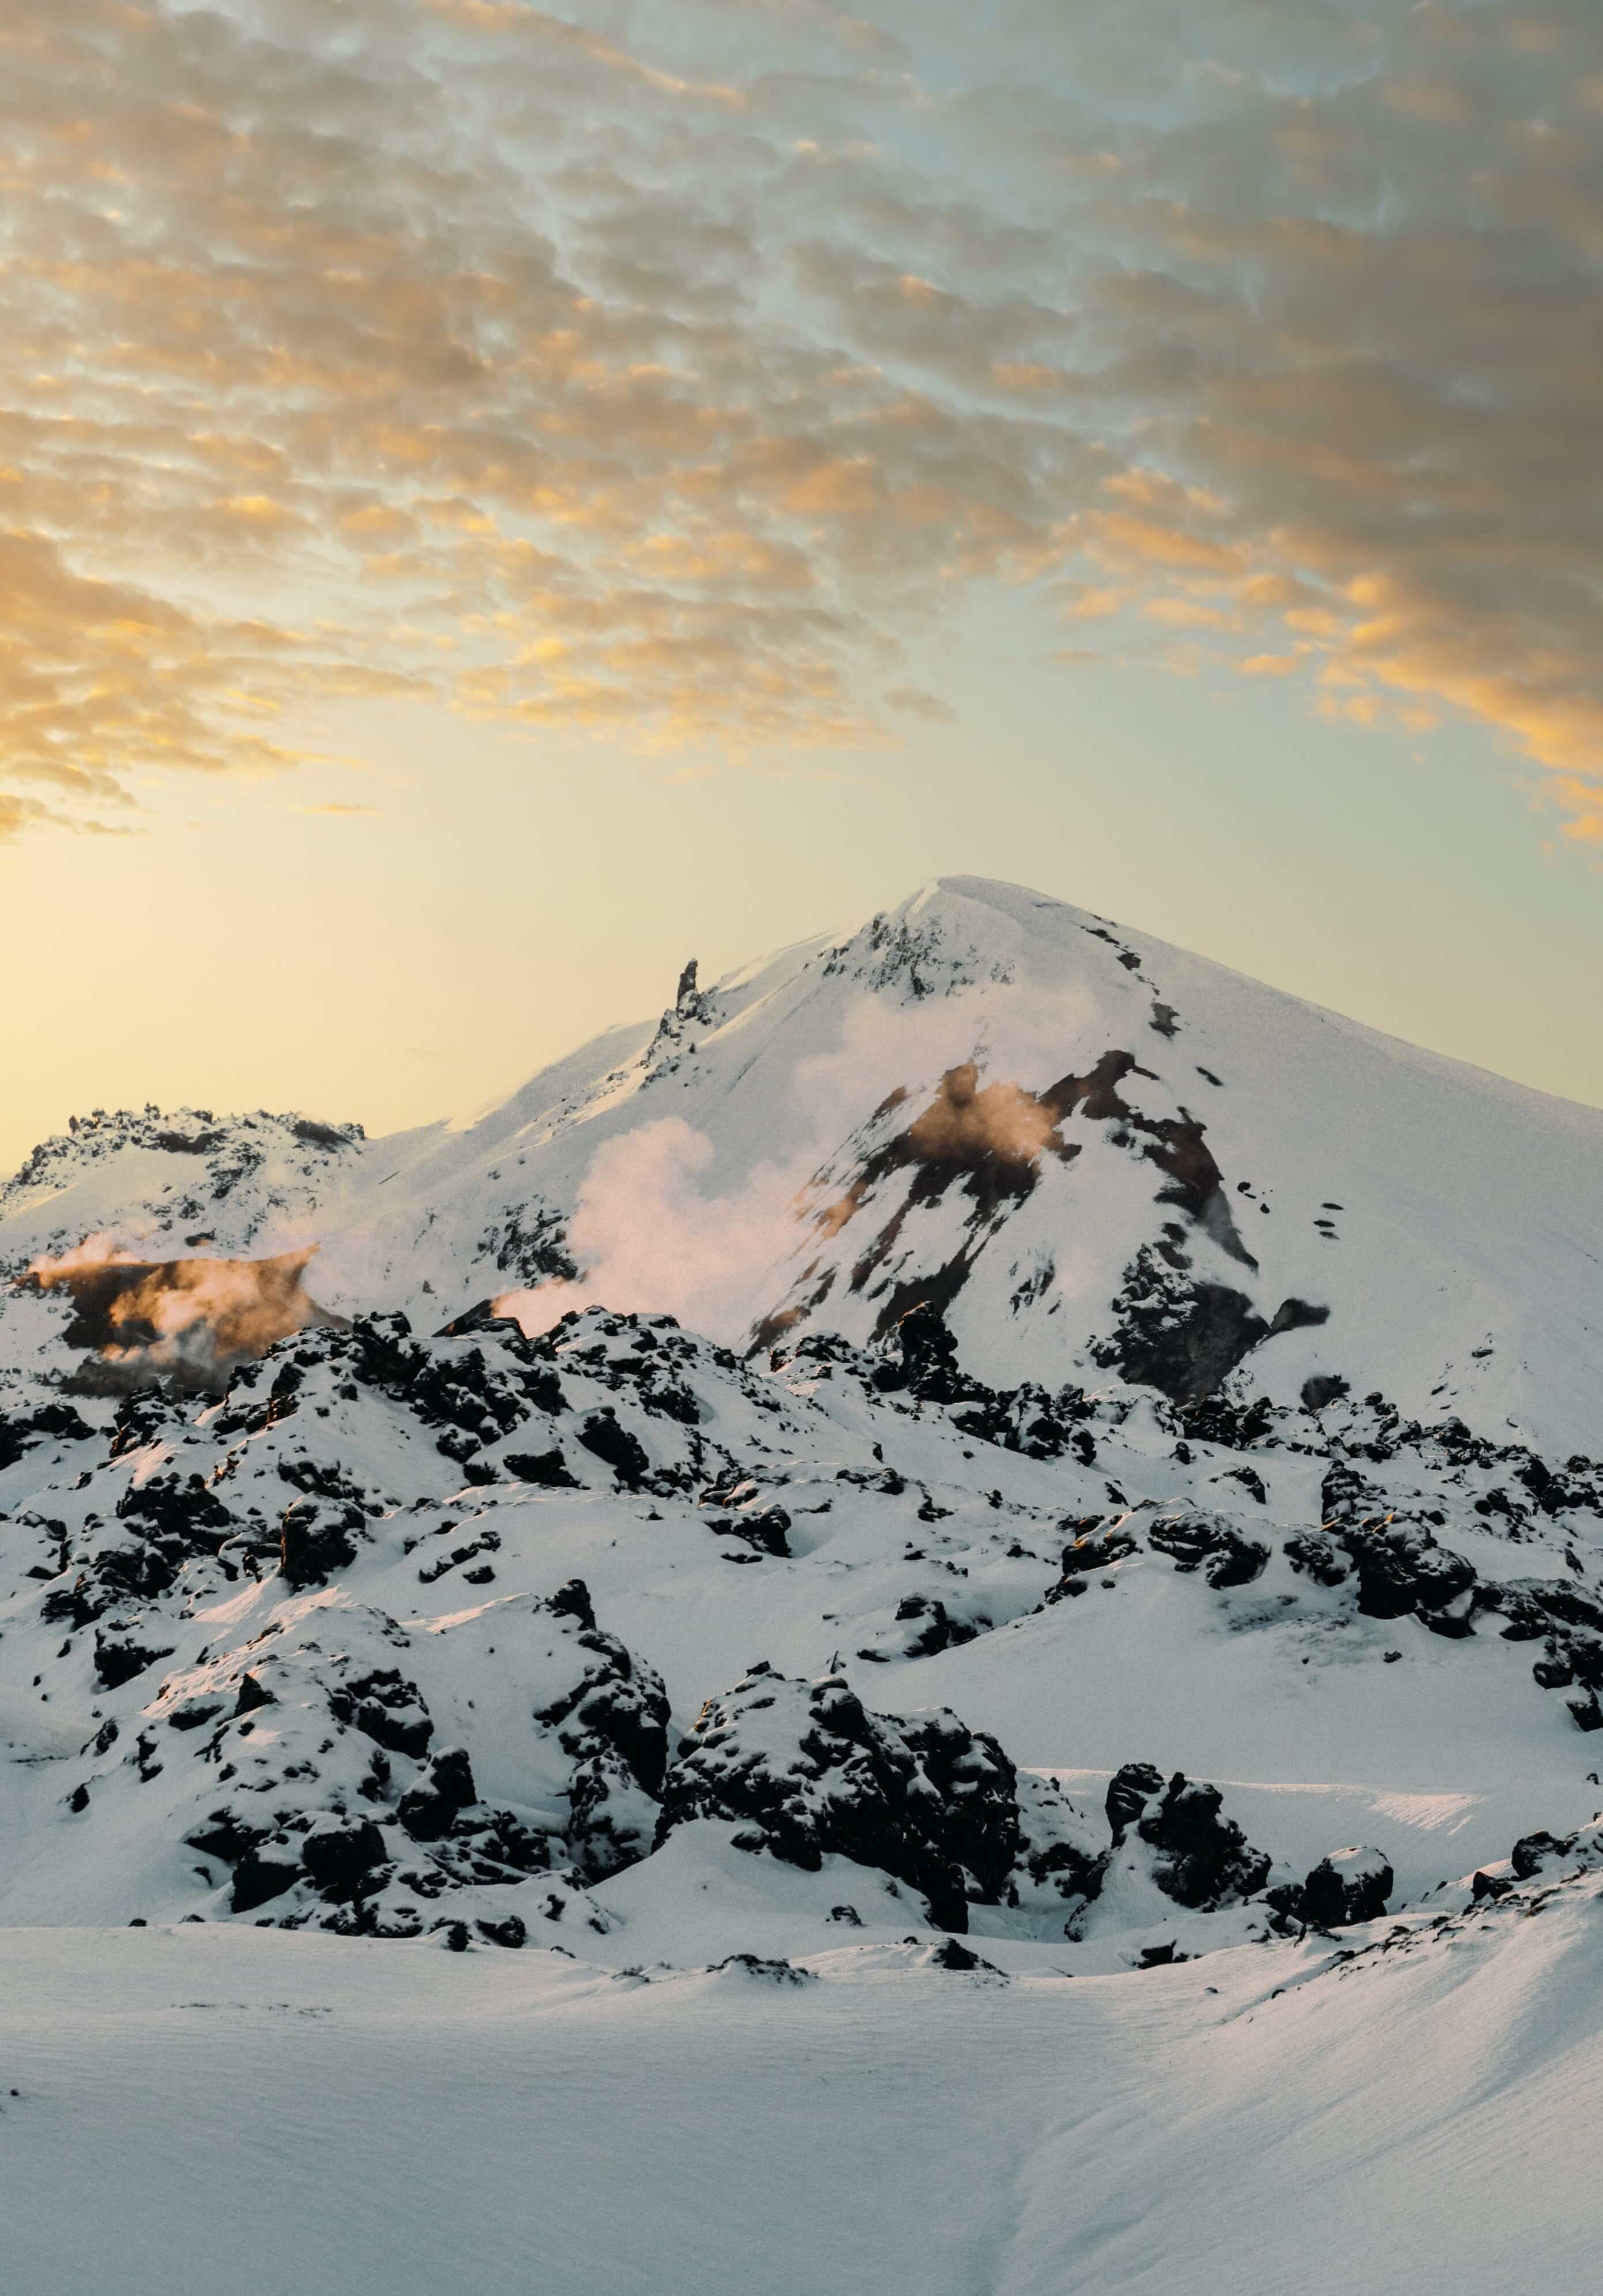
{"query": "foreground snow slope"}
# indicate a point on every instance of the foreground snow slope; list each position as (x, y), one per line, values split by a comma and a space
(394, 2120)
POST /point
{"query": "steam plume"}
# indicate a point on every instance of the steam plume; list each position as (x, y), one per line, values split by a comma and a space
(191, 1320)
(967, 1122)
(650, 1236)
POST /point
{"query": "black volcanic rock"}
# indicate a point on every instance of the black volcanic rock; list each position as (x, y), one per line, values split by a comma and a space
(1350, 1885)
(806, 1770)
(428, 1808)
(121, 1653)
(602, 1434)
(316, 1542)
(1401, 1567)
(1210, 1544)
(339, 1854)
(1201, 1859)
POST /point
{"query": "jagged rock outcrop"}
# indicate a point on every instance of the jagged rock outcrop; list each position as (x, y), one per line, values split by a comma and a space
(691, 1011)
(806, 1770)
(1201, 1859)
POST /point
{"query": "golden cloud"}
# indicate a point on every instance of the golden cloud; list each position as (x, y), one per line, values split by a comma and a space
(669, 379)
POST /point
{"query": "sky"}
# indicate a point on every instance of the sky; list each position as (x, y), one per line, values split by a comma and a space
(495, 500)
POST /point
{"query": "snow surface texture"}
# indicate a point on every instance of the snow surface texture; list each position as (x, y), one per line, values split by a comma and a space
(983, 1512)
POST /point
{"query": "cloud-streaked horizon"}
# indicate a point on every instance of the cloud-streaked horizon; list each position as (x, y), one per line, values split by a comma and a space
(669, 370)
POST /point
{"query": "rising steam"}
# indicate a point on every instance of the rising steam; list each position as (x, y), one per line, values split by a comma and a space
(185, 1320)
(650, 1236)
(967, 1122)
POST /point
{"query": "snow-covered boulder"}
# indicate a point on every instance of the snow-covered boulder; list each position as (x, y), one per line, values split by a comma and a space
(808, 1771)
(1348, 1886)
(1211, 1543)
(1197, 1859)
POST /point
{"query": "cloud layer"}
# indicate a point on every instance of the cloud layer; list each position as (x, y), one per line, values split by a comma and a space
(666, 368)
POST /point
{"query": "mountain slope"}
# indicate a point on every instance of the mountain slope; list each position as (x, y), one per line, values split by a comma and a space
(1148, 1146)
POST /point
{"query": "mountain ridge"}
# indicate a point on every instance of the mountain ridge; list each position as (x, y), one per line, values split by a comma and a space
(775, 1074)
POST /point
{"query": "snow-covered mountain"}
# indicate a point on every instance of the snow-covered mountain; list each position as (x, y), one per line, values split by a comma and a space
(976, 1453)
(1106, 1161)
